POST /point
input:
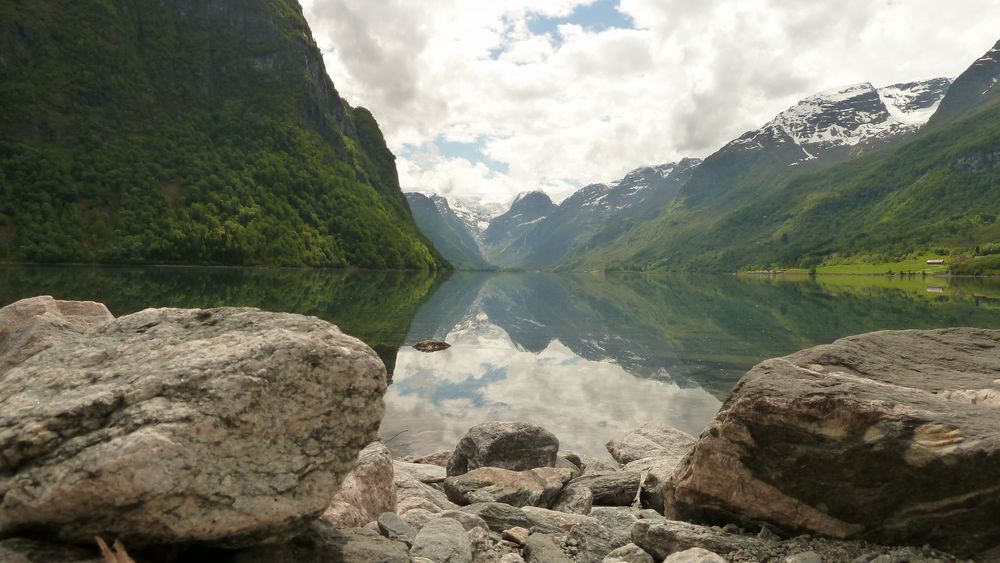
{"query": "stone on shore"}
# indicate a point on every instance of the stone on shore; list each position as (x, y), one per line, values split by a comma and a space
(555, 519)
(892, 437)
(411, 494)
(651, 440)
(628, 553)
(545, 548)
(321, 542)
(533, 487)
(694, 555)
(508, 445)
(230, 426)
(576, 500)
(423, 472)
(661, 537)
(366, 492)
(395, 528)
(443, 540)
(437, 458)
(593, 541)
(618, 488)
(655, 476)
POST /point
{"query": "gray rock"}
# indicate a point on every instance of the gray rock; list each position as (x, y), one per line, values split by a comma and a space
(324, 543)
(468, 521)
(482, 546)
(890, 436)
(437, 458)
(617, 488)
(656, 473)
(628, 553)
(595, 541)
(661, 537)
(554, 519)
(591, 465)
(231, 426)
(366, 492)
(499, 516)
(619, 518)
(511, 558)
(533, 487)
(423, 472)
(544, 548)
(804, 557)
(417, 517)
(21, 550)
(574, 469)
(651, 440)
(411, 493)
(571, 457)
(395, 528)
(576, 500)
(694, 555)
(31, 325)
(443, 540)
(508, 445)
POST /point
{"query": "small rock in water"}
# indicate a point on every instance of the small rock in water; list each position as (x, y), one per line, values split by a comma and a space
(431, 346)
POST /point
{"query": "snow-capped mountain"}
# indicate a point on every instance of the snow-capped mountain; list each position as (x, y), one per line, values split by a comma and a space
(848, 120)
(438, 221)
(527, 210)
(541, 240)
(475, 215)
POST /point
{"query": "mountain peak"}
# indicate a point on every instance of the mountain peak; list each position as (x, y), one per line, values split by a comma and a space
(974, 86)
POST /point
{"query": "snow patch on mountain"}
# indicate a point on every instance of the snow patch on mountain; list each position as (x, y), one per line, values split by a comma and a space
(849, 116)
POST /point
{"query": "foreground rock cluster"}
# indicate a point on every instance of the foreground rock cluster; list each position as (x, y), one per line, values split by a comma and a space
(235, 435)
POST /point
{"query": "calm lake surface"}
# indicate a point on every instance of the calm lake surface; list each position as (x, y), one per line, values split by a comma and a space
(587, 356)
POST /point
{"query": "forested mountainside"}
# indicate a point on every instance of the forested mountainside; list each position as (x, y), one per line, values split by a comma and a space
(449, 233)
(189, 131)
(771, 197)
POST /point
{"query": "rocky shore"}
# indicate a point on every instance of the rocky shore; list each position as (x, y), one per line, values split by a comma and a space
(236, 435)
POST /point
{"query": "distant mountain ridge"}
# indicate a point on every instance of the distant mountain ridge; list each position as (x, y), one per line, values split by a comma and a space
(853, 171)
(448, 231)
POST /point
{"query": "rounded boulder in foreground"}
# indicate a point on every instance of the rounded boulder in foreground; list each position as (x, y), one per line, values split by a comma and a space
(227, 426)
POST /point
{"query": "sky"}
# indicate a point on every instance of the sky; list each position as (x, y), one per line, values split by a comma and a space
(483, 99)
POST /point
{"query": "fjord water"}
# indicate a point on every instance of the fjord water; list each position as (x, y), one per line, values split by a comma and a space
(587, 356)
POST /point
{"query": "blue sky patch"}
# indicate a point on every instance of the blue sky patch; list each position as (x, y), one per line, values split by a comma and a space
(597, 16)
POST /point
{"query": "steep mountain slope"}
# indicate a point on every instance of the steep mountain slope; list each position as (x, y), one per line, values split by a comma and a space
(600, 209)
(939, 187)
(475, 215)
(504, 235)
(975, 86)
(447, 231)
(189, 131)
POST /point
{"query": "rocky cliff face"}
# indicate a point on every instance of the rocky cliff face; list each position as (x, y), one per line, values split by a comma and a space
(223, 112)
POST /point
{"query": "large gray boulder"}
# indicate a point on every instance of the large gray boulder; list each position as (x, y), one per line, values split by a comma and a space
(508, 445)
(651, 440)
(227, 426)
(893, 437)
(534, 487)
(368, 490)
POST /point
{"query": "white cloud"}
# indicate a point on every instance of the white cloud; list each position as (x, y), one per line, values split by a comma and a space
(572, 106)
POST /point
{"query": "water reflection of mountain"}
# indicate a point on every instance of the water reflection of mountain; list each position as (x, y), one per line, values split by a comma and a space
(375, 307)
(700, 331)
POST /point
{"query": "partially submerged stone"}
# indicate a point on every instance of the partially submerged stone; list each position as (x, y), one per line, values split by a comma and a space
(169, 426)
(892, 437)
